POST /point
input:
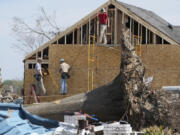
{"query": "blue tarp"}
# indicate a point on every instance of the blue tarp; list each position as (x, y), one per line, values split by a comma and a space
(14, 120)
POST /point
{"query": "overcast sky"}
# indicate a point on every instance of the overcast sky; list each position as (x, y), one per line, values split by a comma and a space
(67, 13)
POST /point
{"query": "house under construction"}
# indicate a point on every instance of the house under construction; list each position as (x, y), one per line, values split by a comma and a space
(156, 41)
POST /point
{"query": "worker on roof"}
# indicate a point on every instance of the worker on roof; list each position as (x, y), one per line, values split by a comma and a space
(64, 70)
(38, 75)
(103, 20)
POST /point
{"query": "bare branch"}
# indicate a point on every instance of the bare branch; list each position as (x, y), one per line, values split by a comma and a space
(30, 36)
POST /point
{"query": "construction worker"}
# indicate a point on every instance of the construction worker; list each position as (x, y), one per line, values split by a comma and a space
(64, 70)
(38, 75)
(103, 20)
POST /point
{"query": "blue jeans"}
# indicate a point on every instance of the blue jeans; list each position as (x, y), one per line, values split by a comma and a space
(63, 86)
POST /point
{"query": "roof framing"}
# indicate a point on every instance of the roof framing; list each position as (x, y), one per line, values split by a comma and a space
(94, 14)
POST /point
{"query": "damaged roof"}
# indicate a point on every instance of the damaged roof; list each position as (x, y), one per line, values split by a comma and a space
(156, 21)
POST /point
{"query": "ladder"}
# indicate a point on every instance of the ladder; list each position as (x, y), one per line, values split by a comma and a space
(32, 92)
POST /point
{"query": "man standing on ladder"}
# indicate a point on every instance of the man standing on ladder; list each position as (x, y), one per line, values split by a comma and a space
(64, 70)
(103, 20)
(38, 75)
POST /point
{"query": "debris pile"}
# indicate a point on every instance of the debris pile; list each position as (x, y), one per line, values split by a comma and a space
(7, 97)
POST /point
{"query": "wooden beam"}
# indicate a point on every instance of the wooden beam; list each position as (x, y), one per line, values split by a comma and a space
(116, 26)
(34, 61)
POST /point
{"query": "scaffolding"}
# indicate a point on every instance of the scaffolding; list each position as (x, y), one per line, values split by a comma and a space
(91, 61)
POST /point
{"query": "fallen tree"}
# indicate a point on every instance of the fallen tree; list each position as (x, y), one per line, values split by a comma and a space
(125, 98)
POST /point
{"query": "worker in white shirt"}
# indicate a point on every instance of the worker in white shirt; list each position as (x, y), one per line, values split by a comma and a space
(38, 75)
(64, 70)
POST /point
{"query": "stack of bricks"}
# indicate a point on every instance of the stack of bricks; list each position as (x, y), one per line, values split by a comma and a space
(117, 129)
(73, 119)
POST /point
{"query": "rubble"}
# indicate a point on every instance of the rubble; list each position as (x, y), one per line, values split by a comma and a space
(7, 97)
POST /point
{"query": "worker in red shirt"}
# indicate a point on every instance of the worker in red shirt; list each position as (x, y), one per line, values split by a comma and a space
(103, 20)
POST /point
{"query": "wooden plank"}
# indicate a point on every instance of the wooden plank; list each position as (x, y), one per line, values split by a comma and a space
(34, 61)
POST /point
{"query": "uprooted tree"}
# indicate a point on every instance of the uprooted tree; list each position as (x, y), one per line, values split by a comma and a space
(125, 98)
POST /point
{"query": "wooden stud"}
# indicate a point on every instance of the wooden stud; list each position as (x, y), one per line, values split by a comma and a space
(87, 32)
(65, 39)
(41, 53)
(138, 35)
(115, 26)
(36, 55)
(162, 41)
(122, 17)
(89, 27)
(146, 36)
(149, 36)
(73, 37)
(81, 34)
(130, 34)
(78, 35)
(98, 29)
(132, 31)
